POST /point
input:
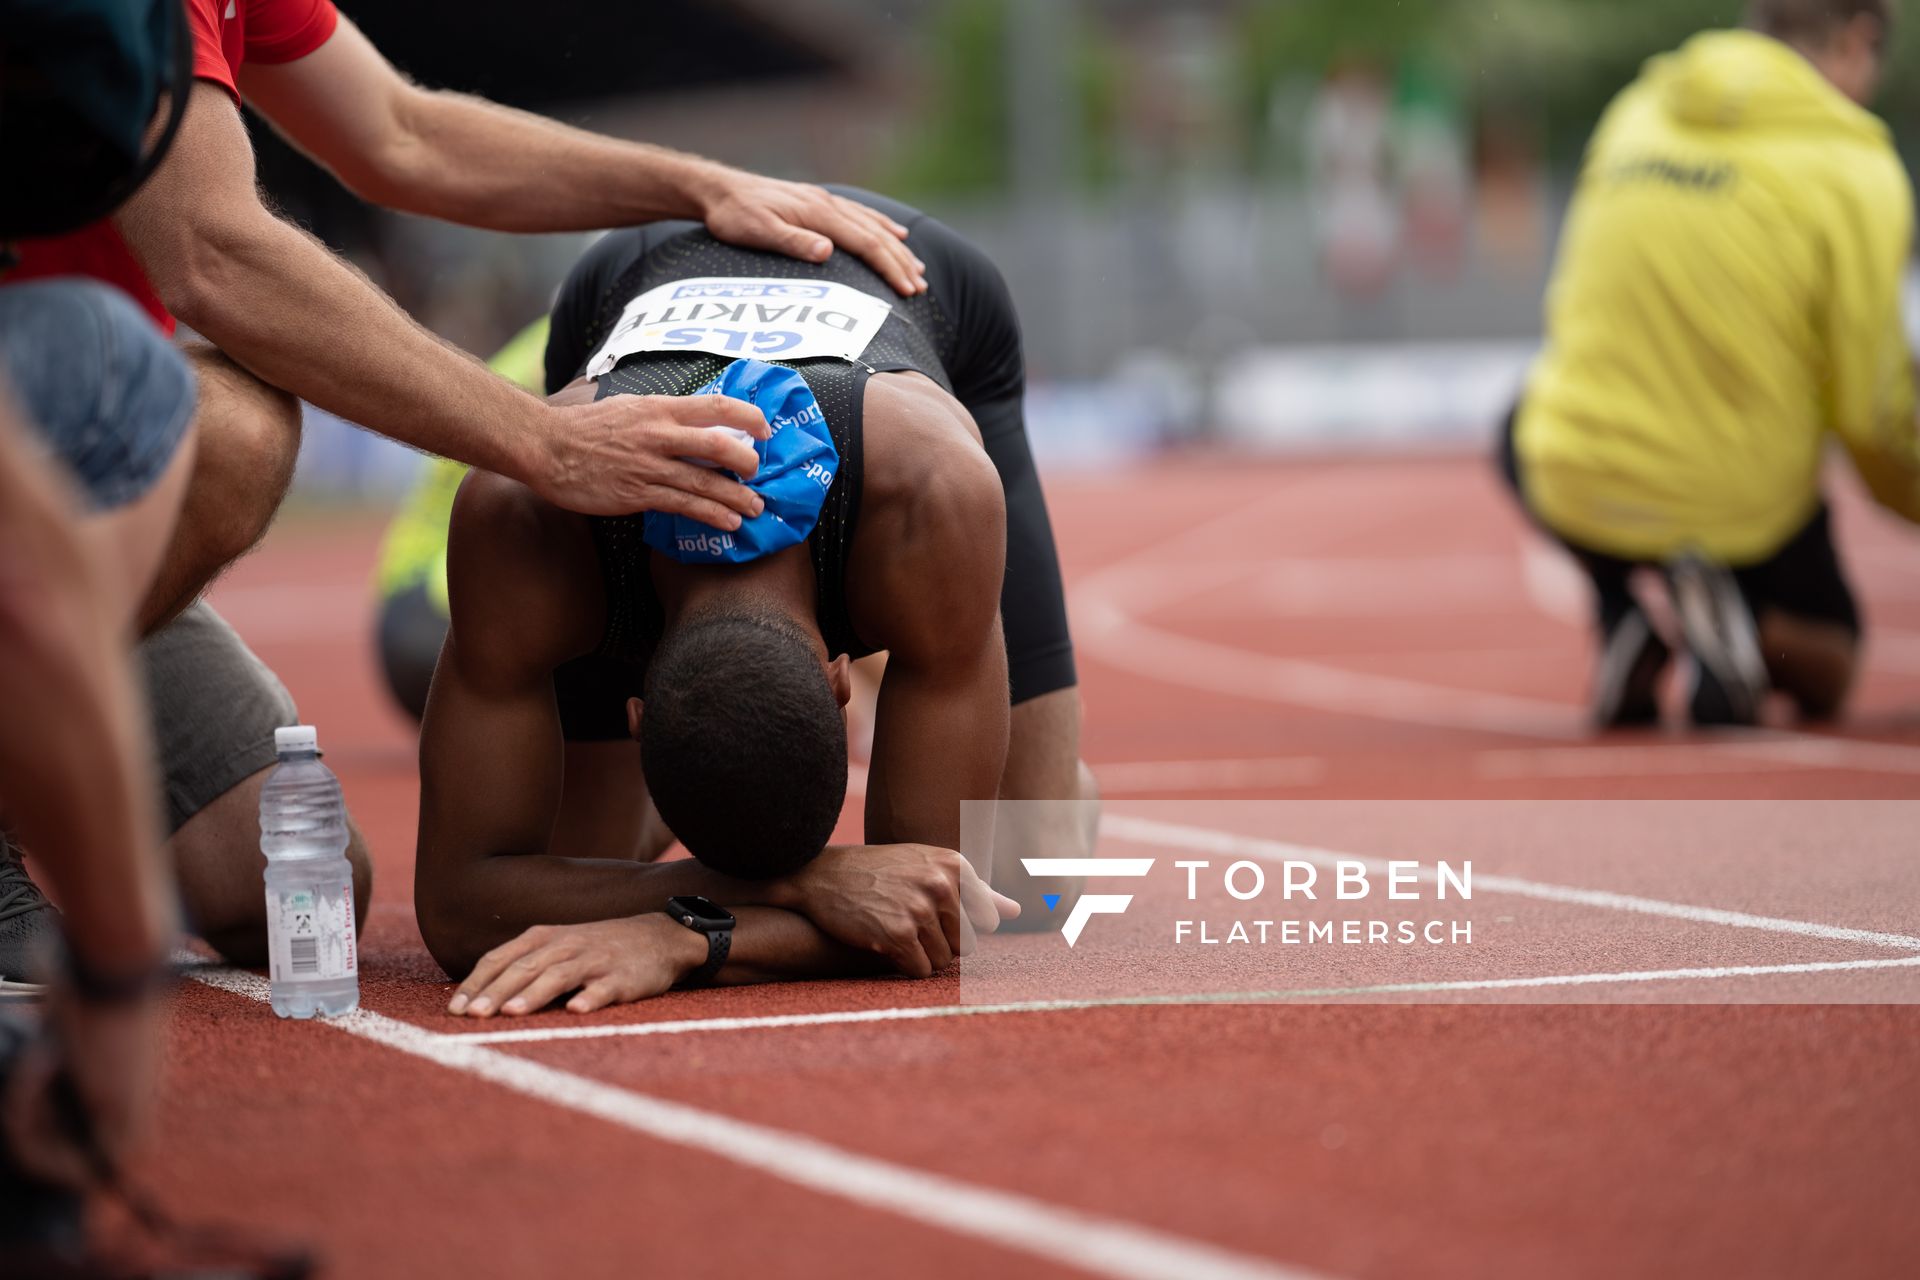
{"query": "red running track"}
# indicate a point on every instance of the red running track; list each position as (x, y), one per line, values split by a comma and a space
(1335, 631)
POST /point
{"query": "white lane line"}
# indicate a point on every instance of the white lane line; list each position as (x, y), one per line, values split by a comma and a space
(1748, 753)
(1144, 776)
(1109, 604)
(1108, 630)
(1228, 844)
(774, 1022)
(1894, 651)
(1067, 1237)
(1162, 777)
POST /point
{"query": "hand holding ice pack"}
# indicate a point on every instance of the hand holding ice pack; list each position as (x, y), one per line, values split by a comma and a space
(797, 466)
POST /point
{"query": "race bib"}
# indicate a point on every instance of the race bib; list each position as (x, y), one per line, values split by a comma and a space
(746, 319)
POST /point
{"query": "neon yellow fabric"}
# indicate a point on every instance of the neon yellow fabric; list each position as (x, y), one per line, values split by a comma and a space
(1727, 295)
(414, 550)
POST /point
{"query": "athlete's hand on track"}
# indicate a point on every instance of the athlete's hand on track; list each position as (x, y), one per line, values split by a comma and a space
(917, 905)
(107, 1053)
(806, 222)
(627, 454)
(607, 962)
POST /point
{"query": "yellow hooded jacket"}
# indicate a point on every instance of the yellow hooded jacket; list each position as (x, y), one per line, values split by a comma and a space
(1727, 293)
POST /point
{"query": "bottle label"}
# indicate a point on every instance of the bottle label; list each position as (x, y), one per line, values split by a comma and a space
(311, 935)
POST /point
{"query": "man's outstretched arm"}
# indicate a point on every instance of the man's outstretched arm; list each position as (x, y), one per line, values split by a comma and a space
(274, 299)
(447, 155)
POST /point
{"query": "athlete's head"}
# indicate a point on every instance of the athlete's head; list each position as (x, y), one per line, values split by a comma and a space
(1848, 40)
(742, 739)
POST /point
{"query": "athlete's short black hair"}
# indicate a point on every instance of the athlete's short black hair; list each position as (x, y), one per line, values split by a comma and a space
(1814, 21)
(743, 744)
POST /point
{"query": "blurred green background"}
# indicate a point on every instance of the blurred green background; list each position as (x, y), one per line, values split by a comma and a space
(1544, 68)
(1264, 223)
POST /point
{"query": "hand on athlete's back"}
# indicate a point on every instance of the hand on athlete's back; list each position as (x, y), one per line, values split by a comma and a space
(806, 222)
(917, 905)
(627, 454)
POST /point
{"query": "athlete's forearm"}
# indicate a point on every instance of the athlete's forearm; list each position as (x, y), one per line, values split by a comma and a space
(770, 945)
(491, 900)
(74, 768)
(485, 165)
(277, 301)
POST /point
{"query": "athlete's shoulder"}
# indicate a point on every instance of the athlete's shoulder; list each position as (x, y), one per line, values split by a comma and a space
(605, 260)
(899, 210)
(954, 263)
(582, 295)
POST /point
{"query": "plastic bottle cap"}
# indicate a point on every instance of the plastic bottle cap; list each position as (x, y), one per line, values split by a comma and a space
(299, 737)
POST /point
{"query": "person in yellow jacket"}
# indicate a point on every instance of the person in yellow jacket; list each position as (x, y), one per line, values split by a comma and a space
(1727, 297)
(412, 572)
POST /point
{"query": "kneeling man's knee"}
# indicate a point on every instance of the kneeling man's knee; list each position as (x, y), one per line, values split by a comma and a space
(234, 922)
(249, 445)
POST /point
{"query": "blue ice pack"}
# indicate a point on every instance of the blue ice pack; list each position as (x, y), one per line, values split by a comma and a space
(797, 466)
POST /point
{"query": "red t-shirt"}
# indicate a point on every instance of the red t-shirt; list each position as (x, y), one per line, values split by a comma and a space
(226, 33)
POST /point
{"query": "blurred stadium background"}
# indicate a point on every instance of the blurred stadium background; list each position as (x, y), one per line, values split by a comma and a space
(1310, 225)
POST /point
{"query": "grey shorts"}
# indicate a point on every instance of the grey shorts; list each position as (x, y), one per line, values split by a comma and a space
(214, 706)
(110, 397)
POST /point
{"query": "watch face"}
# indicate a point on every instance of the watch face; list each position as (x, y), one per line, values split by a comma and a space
(700, 913)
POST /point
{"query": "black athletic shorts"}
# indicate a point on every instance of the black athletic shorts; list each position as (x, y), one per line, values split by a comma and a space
(971, 314)
(1804, 578)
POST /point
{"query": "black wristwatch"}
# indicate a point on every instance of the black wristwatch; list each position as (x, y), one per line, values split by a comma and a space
(702, 915)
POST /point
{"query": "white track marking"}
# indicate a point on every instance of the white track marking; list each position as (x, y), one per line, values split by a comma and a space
(1279, 586)
(1894, 651)
(1107, 610)
(1755, 752)
(1108, 631)
(1160, 777)
(780, 1021)
(1227, 844)
(1140, 777)
(1554, 584)
(1017, 1223)
(1110, 604)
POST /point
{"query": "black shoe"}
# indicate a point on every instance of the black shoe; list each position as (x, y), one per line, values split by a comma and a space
(1626, 682)
(1730, 682)
(29, 930)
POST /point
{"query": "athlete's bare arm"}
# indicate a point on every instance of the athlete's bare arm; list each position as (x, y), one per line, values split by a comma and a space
(925, 579)
(620, 961)
(447, 155)
(294, 315)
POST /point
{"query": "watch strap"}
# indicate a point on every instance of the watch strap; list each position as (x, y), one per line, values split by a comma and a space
(719, 946)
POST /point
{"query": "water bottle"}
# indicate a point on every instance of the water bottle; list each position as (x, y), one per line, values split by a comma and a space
(303, 832)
